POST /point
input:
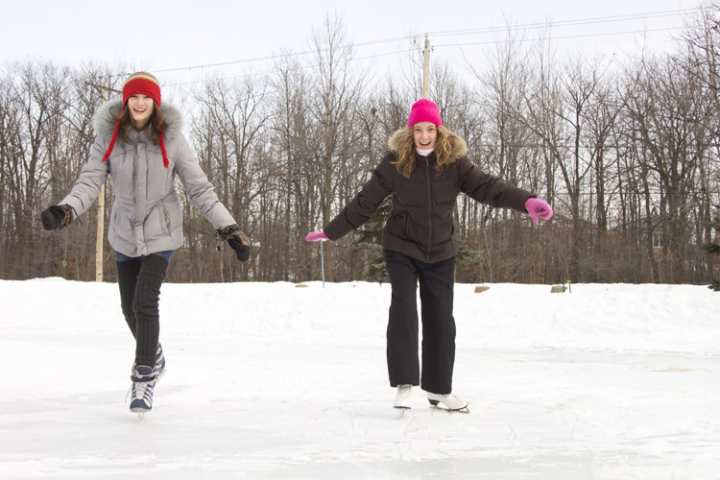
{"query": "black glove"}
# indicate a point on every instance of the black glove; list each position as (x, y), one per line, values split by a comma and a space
(237, 240)
(56, 217)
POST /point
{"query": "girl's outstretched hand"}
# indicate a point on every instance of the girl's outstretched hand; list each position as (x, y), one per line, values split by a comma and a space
(316, 236)
(56, 217)
(538, 209)
(237, 240)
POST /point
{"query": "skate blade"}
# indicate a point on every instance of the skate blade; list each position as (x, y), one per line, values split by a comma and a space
(457, 410)
(434, 404)
(403, 410)
(140, 412)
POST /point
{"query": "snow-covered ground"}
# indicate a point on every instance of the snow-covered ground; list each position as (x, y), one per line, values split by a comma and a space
(273, 381)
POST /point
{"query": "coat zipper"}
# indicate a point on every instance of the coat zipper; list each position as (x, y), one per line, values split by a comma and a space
(429, 197)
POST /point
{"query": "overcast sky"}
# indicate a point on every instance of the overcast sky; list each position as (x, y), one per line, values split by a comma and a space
(162, 34)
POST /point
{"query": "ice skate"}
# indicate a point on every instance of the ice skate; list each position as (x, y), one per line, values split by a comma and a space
(141, 392)
(159, 367)
(450, 402)
(402, 397)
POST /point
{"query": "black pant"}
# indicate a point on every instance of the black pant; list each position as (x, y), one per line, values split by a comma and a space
(438, 324)
(140, 280)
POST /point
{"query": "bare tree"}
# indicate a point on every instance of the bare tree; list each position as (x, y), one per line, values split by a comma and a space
(331, 107)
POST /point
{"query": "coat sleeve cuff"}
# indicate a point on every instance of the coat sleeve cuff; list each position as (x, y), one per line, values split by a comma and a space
(518, 199)
(338, 227)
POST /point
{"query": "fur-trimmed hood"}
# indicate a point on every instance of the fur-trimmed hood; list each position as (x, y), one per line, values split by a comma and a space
(146, 215)
(458, 147)
(106, 116)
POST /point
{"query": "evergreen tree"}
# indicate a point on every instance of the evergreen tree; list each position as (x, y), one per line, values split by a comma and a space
(369, 238)
(714, 249)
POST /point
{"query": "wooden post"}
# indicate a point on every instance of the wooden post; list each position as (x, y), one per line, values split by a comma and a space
(100, 235)
(426, 69)
(100, 232)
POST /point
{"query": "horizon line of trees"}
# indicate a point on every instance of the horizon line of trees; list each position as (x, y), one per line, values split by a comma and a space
(628, 157)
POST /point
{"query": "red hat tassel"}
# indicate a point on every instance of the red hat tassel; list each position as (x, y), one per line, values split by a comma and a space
(161, 141)
(113, 139)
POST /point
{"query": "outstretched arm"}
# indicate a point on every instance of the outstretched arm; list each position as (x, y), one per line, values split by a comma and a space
(86, 188)
(203, 197)
(493, 191)
(362, 207)
(198, 188)
(489, 189)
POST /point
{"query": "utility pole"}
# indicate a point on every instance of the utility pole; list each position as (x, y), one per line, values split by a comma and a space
(426, 69)
(100, 235)
(100, 232)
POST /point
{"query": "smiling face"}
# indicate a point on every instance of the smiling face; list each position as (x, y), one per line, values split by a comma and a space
(141, 108)
(424, 134)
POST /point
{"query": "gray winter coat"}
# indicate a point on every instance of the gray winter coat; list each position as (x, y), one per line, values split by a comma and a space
(146, 215)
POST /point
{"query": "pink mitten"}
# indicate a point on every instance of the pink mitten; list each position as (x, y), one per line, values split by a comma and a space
(538, 209)
(316, 236)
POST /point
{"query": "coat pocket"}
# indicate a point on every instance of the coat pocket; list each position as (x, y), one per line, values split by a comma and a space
(173, 212)
(154, 225)
(121, 225)
(166, 218)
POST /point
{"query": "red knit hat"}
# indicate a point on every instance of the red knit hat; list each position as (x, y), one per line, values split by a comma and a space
(424, 110)
(144, 84)
(140, 83)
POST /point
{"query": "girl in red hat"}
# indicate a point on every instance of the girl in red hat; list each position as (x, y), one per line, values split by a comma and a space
(424, 171)
(140, 144)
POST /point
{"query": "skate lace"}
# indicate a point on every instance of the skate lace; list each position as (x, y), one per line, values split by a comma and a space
(142, 390)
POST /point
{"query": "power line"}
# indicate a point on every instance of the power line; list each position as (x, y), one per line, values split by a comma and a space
(234, 62)
(459, 32)
(279, 56)
(567, 23)
(309, 67)
(270, 71)
(566, 37)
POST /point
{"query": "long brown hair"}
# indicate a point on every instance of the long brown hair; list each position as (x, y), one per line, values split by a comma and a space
(448, 147)
(157, 124)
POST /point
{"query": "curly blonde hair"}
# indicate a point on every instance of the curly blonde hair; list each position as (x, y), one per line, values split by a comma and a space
(448, 148)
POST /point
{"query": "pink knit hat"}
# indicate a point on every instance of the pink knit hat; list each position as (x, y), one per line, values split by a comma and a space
(424, 110)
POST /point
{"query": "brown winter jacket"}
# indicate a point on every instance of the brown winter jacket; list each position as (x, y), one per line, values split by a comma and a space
(421, 222)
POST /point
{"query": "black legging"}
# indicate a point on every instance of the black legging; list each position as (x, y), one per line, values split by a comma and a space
(139, 280)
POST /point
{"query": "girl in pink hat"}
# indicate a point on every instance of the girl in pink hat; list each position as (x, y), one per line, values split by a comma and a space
(424, 171)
